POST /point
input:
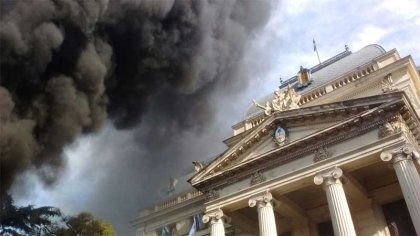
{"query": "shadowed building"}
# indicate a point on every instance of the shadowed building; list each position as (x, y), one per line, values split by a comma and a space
(333, 151)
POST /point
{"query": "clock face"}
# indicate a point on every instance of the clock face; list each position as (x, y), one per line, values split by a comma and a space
(280, 136)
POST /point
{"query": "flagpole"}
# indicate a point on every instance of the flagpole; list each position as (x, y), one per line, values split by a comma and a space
(316, 50)
(319, 60)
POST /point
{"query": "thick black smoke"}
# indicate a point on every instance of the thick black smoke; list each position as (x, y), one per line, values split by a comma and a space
(66, 66)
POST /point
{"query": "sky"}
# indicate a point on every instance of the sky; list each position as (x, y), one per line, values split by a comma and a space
(279, 49)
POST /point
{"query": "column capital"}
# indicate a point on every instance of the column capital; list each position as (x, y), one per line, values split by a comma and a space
(261, 200)
(328, 177)
(406, 152)
(213, 216)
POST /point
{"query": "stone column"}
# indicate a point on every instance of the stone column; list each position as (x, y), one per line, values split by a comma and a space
(337, 202)
(266, 220)
(403, 161)
(216, 222)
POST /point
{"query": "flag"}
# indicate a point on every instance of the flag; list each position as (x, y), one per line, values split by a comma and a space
(193, 230)
(165, 231)
(200, 223)
(313, 40)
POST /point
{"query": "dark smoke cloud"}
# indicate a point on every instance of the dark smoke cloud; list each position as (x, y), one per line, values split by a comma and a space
(67, 66)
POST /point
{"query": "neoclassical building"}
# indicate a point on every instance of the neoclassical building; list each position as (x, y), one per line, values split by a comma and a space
(333, 151)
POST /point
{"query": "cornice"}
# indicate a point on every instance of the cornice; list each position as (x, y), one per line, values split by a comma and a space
(369, 109)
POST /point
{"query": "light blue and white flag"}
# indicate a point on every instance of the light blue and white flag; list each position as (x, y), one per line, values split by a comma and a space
(200, 223)
(193, 230)
(165, 231)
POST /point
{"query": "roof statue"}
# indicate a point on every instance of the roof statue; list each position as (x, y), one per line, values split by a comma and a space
(283, 100)
(197, 166)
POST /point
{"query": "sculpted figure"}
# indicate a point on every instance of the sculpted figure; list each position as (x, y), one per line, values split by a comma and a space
(267, 108)
(278, 101)
(282, 101)
(291, 98)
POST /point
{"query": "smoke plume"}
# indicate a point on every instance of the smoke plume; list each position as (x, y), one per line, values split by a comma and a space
(68, 66)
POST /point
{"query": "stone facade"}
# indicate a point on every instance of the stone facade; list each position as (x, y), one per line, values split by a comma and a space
(335, 159)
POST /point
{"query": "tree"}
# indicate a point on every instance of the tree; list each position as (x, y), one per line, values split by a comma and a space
(84, 224)
(27, 220)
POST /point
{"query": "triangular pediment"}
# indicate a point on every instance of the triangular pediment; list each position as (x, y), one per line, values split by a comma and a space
(290, 133)
(300, 126)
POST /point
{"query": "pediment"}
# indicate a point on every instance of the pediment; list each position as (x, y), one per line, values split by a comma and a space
(304, 125)
(292, 133)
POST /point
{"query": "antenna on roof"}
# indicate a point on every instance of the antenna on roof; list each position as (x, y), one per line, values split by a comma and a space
(316, 50)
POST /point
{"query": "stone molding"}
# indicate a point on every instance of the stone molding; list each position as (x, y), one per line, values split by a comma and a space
(328, 177)
(261, 200)
(215, 216)
(406, 152)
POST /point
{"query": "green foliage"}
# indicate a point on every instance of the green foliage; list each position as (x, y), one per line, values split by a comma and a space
(28, 220)
(85, 224)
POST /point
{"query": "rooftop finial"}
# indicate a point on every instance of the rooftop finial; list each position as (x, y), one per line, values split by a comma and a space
(346, 47)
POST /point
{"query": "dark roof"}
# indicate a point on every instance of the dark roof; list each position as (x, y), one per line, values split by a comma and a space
(326, 71)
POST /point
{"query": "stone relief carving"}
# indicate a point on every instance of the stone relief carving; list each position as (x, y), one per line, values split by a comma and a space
(388, 84)
(257, 178)
(283, 100)
(322, 153)
(211, 195)
(391, 127)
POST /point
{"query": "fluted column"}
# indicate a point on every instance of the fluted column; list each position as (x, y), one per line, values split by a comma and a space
(216, 222)
(408, 178)
(266, 220)
(337, 202)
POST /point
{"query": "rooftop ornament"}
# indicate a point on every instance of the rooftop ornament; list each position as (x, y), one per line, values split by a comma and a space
(283, 100)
